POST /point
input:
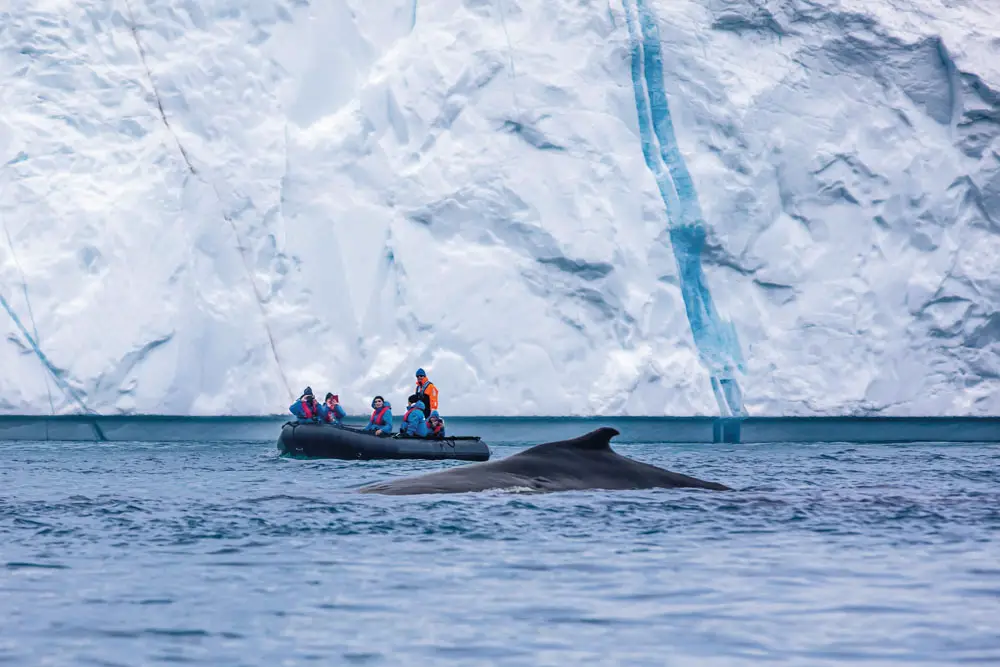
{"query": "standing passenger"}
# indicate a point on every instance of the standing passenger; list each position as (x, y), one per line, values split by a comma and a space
(427, 393)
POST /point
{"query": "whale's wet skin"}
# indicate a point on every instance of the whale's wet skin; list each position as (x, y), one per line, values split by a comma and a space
(586, 462)
(224, 554)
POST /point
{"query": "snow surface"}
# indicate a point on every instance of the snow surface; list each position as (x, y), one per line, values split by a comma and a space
(645, 207)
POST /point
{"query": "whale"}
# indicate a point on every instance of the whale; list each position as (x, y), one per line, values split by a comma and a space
(583, 463)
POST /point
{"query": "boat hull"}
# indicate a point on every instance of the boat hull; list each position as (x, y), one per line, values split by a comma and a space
(326, 441)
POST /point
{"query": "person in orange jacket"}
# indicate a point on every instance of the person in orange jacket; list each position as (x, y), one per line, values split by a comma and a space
(426, 393)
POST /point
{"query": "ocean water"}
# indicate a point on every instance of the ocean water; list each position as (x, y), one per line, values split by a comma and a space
(225, 554)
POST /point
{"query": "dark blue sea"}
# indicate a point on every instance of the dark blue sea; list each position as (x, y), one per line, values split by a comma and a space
(225, 554)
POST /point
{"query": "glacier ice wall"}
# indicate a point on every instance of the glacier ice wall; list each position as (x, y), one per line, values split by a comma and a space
(556, 207)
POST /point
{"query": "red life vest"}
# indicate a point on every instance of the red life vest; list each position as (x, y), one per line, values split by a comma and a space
(309, 412)
(406, 417)
(378, 416)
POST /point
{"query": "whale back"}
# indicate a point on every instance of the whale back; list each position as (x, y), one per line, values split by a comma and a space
(585, 462)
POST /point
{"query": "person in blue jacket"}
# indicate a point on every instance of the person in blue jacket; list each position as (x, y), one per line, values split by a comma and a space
(331, 411)
(414, 422)
(381, 419)
(306, 409)
(435, 426)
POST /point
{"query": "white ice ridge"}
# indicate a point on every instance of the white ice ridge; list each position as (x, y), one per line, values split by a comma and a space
(647, 207)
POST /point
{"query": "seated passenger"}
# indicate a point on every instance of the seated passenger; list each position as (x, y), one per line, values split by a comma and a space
(435, 426)
(306, 408)
(414, 422)
(331, 411)
(381, 419)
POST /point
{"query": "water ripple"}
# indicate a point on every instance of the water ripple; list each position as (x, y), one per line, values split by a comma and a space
(224, 554)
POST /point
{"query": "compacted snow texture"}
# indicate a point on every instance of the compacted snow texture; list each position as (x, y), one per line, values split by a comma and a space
(554, 206)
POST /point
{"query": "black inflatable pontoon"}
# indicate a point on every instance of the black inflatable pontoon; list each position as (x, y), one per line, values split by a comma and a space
(327, 441)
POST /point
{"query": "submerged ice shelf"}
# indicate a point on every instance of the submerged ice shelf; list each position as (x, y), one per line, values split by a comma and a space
(522, 431)
(638, 208)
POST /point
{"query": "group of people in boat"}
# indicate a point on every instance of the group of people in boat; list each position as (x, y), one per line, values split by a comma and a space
(421, 419)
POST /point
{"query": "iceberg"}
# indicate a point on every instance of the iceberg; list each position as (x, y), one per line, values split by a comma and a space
(640, 207)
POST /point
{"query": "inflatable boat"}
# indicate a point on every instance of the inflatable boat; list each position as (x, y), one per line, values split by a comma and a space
(326, 441)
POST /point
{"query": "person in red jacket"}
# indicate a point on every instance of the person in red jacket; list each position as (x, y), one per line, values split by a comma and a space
(435, 425)
(332, 412)
(306, 408)
(381, 420)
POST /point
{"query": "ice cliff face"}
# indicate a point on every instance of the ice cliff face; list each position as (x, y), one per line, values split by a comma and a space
(555, 206)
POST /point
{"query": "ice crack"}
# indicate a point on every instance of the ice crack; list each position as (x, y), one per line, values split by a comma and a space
(714, 337)
(133, 27)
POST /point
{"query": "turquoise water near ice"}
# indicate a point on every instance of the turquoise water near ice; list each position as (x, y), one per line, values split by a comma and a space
(222, 553)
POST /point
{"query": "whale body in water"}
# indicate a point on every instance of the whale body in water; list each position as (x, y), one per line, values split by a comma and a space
(586, 462)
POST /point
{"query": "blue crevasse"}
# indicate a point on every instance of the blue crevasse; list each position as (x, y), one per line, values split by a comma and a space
(715, 338)
(56, 375)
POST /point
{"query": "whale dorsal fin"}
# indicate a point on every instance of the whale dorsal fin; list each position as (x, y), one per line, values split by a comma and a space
(597, 440)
